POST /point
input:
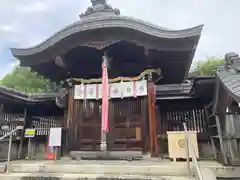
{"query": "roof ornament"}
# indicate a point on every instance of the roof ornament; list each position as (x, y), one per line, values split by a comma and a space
(99, 8)
(232, 60)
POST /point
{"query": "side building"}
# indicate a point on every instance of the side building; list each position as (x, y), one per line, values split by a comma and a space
(37, 111)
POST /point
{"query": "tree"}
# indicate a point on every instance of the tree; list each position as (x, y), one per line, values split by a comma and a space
(209, 67)
(24, 80)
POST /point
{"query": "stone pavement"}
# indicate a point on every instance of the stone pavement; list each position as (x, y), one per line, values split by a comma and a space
(99, 169)
(28, 176)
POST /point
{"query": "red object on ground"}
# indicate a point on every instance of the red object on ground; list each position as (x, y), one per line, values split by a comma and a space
(50, 153)
(105, 96)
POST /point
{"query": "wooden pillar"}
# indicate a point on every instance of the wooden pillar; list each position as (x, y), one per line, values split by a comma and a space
(1, 108)
(110, 136)
(154, 148)
(22, 135)
(65, 133)
(221, 107)
(69, 121)
(215, 98)
(145, 135)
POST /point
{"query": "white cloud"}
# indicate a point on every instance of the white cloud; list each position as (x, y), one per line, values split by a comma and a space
(27, 22)
(34, 7)
(6, 28)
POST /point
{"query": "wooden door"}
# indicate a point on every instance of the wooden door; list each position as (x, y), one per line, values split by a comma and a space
(127, 124)
(86, 129)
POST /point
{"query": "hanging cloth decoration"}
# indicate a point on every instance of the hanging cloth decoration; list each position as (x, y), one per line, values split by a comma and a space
(105, 104)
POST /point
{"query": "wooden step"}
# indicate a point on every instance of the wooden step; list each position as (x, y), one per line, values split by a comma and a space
(76, 176)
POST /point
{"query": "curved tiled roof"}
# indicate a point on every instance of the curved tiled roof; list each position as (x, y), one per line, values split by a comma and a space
(28, 98)
(109, 22)
(101, 23)
(229, 75)
(231, 81)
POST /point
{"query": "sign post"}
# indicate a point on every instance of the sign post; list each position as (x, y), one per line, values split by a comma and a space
(29, 133)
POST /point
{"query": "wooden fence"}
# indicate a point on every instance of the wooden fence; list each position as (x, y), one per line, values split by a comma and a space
(43, 124)
(10, 120)
(172, 114)
(173, 120)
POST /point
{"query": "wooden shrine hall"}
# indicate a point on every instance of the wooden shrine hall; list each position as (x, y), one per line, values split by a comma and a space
(39, 111)
(147, 70)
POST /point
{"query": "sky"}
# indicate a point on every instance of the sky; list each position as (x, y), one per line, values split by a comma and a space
(25, 23)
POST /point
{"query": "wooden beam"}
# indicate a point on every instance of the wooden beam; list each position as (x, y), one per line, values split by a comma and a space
(22, 134)
(69, 120)
(59, 61)
(152, 119)
(155, 134)
(216, 96)
(1, 108)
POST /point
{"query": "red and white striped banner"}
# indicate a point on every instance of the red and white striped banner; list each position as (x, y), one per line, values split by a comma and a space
(105, 96)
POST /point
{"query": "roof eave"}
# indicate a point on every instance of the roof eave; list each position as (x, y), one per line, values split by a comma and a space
(28, 99)
(108, 22)
(235, 96)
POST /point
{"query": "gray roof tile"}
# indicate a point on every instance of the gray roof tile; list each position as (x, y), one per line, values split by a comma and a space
(231, 81)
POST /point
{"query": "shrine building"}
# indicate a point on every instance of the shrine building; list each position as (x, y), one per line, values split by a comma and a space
(149, 93)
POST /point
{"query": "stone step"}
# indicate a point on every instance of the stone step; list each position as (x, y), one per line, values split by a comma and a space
(60, 176)
(2, 167)
(170, 169)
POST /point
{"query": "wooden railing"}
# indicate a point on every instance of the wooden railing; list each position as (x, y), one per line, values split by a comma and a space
(10, 135)
(172, 120)
(190, 150)
(11, 121)
(201, 173)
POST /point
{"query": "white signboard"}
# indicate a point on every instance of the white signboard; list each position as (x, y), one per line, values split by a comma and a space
(127, 89)
(79, 92)
(55, 137)
(117, 90)
(141, 88)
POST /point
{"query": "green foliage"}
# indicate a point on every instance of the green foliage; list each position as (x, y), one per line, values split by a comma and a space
(24, 80)
(209, 67)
